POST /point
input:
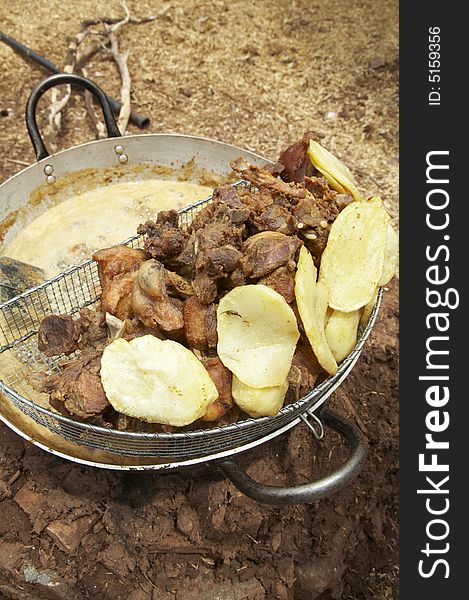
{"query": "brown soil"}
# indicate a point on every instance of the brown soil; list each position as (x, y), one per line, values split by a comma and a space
(258, 75)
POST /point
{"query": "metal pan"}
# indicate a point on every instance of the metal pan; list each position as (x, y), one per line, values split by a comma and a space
(38, 426)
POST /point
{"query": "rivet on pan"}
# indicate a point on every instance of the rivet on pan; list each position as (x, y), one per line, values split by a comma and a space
(123, 158)
(50, 179)
(48, 169)
(118, 149)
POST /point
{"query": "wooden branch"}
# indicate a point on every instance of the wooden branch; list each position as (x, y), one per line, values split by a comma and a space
(112, 21)
(92, 112)
(77, 59)
(59, 98)
(121, 62)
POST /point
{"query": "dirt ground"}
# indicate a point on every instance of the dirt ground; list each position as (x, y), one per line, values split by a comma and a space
(257, 75)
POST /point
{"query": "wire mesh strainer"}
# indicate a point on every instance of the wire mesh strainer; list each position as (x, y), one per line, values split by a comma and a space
(79, 287)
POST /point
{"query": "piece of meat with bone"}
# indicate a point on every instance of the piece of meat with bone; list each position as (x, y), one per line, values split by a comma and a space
(216, 255)
(177, 286)
(276, 218)
(262, 178)
(282, 280)
(151, 303)
(58, 334)
(222, 378)
(116, 260)
(79, 386)
(205, 288)
(315, 217)
(200, 324)
(226, 206)
(117, 268)
(266, 251)
(319, 187)
(222, 261)
(94, 331)
(296, 161)
(164, 238)
(116, 296)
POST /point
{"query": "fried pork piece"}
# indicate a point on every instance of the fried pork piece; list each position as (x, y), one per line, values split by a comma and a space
(216, 255)
(296, 161)
(266, 251)
(275, 217)
(303, 373)
(222, 261)
(221, 377)
(117, 269)
(117, 260)
(94, 331)
(205, 288)
(226, 206)
(151, 303)
(200, 324)
(177, 286)
(262, 178)
(305, 202)
(164, 238)
(58, 334)
(116, 296)
(282, 280)
(78, 388)
(316, 215)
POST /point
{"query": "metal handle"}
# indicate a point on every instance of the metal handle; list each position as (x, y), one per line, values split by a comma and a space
(308, 492)
(60, 79)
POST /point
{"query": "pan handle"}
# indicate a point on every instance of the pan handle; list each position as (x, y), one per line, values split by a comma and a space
(60, 79)
(308, 492)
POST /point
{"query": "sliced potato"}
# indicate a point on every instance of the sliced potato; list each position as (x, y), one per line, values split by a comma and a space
(258, 402)
(312, 300)
(159, 381)
(341, 333)
(368, 309)
(329, 311)
(257, 335)
(391, 253)
(352, 262)
(337, 174)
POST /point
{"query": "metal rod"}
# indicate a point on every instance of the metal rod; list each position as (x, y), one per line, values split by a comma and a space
(135, 118)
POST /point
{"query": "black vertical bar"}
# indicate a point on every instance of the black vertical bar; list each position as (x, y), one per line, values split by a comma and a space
(434, 337)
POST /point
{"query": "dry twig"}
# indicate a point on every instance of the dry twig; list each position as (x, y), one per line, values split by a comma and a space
(121, 62)
(106, 41)
(60, 99)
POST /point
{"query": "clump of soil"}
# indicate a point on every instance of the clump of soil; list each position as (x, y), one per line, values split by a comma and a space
(257, 75)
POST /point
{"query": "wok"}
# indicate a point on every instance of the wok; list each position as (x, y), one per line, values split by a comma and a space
(54, 178)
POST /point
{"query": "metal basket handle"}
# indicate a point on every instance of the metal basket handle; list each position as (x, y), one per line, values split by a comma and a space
(308, 492)
(60, 79)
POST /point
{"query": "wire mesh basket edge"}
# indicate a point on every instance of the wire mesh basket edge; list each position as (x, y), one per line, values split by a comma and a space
(67, 291)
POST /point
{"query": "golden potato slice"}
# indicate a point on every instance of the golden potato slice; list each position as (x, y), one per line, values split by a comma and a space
(337, 174)
(159, 381)
(312, 300)
(352, 262)
(258, 402)
(329, 312)
(257, 335)
(368, 309)
(391, 253)
(341, 333)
